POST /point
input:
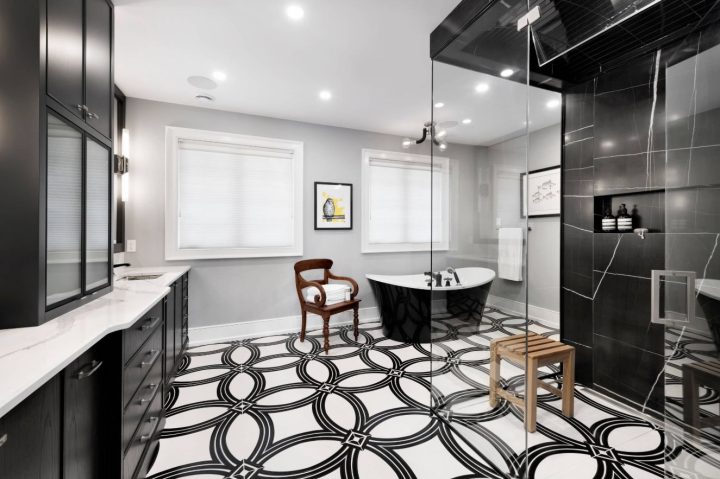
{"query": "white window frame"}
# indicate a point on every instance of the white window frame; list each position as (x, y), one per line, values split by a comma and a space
(173, 135)
(436, 161)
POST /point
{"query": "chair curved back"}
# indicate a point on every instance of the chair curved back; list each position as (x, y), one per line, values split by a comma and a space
(308, 264)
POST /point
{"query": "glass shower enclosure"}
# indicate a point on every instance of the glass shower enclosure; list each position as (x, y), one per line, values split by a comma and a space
(574, 164)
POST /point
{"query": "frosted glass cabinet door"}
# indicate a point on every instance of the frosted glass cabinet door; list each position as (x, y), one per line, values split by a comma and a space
(97, 252)
(64, 212)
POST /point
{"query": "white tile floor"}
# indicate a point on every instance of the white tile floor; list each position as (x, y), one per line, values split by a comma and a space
(278, 408)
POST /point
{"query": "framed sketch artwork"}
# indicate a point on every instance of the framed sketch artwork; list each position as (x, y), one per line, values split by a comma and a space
(544, 195)
(333, 206)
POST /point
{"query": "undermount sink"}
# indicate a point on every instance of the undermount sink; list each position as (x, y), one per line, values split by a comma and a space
(140, 277)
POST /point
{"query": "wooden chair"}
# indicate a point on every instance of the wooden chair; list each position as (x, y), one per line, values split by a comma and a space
(318, 306)
(540, 351)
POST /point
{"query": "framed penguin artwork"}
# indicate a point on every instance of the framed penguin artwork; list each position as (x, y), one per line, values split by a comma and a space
(333, 206)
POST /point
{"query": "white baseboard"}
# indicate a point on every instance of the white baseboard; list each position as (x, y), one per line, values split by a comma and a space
(272, 326)
(548, 317)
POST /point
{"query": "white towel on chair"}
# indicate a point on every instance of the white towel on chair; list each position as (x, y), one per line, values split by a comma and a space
(510, 253)
(334, 293)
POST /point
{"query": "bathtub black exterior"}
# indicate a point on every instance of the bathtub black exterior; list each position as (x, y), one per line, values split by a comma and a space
(405, 312)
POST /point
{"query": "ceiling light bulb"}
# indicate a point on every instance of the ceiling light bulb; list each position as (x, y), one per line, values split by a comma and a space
(467, 121)
(441, 134)
(439, 104)
(407, 142)
(506, 73)
(554, 103)
(482, 87)
(325, 95)
(295, 12)
(219, 76)
(443, 146)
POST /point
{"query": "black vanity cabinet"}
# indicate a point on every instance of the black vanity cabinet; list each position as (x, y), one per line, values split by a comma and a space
(89, 390)
(30, 436)
(142, 381)
(176, 327)
(79, 68)
(56, 151)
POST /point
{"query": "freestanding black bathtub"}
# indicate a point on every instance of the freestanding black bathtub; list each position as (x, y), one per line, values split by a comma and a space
(405, 301)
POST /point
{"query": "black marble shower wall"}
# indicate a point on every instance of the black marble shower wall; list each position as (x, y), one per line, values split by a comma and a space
(622, 146)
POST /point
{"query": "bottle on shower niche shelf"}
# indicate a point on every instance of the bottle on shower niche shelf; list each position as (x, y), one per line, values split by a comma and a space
(624, 220)
(609, 223)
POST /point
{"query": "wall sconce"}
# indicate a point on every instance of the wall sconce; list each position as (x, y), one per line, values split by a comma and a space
(122, 165)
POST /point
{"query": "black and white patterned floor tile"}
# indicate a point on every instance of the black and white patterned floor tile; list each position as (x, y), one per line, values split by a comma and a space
(277, 408)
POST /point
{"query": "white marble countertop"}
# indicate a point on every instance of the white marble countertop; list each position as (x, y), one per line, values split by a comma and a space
(29, 357)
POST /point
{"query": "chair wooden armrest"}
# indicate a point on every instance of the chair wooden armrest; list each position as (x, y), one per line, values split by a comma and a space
(319, 298)
(352, 282)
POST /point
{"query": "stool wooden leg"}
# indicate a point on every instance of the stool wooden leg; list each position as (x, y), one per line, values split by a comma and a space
(568, 388)
(531, 380)
(304, 325)
(326, 332)
(494, 375)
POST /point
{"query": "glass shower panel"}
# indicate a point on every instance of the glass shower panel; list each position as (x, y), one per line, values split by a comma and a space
(479, 289)
(686, 294)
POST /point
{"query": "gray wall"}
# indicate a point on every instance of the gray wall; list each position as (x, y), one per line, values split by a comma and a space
(493, 180)
(235, 290)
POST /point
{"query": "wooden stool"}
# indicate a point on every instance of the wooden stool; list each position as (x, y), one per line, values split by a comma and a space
(540, 352)
(695, 375)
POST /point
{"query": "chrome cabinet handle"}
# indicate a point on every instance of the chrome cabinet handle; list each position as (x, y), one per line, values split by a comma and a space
(153, 353)
(89, 370)
(146, 437)
(148, 398)
(81, 108)
(92, 115)
(149, 323)
(3, 440)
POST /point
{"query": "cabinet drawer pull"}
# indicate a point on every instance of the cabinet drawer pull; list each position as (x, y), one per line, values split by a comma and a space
(3, 440)
(89, 370)
(153, 355)
(93, 116)
(146, 437)
(149, 323)
(152, 388)
(81, 108)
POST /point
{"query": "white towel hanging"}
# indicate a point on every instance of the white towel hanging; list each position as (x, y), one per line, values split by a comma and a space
(510, 257)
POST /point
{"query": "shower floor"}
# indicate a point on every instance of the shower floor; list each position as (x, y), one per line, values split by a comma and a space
(274, 407)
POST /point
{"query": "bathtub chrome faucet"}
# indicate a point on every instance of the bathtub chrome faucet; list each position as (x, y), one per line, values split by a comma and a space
(437, 276)
(454, 273)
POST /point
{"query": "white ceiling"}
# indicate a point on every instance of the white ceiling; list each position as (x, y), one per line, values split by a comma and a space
(373, 55)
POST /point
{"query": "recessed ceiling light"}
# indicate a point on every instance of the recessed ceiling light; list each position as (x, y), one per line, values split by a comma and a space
(219, 76)
(508, 72)
(295, 12)
(325, 95)
(554, 103)
(482, 87)
(467, 121)
(204, 98)
(439, 104)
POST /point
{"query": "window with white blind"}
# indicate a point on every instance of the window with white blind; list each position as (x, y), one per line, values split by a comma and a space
(232, 196)
(405, 202)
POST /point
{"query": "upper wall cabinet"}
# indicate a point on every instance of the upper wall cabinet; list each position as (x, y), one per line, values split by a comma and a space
(56, 157)
(79, 68)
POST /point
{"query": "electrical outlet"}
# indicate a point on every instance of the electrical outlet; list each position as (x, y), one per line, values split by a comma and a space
(130, 246)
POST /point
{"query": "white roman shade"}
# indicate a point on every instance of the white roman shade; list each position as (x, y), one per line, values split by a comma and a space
(232, 196)
(405, 202)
